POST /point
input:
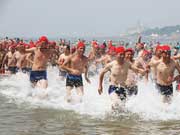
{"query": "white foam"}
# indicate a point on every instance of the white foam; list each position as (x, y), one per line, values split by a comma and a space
(147, 104)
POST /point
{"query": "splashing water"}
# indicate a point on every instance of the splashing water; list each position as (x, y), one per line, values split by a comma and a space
(147, 105)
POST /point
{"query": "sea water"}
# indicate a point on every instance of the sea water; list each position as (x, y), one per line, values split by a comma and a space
(22, 112)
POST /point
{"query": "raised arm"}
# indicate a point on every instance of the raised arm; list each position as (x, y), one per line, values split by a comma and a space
(28, 58)
(30, 50)
(135, 68)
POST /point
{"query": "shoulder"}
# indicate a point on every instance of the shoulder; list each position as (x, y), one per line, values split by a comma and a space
(69, 57)
(173, 62)
(112, 63)
(61, 55)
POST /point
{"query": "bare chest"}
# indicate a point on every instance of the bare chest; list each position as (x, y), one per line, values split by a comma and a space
(165, 68)
(80, 62)
(41, 56)
(118, 70)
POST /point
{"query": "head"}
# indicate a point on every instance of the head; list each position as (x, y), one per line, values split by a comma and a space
(66, 49)
(12, 48)
(140, 46)
(158, 50)
(109, 43)
(166, 52)
(80, 48)
(102, 49)
(43, 42)
(52, 45)
(21, 47)
(129, 54)
(95, 46)
(176, 51)
(73, 49)
(112, 51)
(145, 55)
(120, 54)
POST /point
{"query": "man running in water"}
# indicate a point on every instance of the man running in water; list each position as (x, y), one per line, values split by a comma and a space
(105, 57)
(165, 73)
(132, 77)
(75, 65)
(38, 75)
(11, 66)
(118, 75)
(62, 58)
(154, 59)
(142, 61)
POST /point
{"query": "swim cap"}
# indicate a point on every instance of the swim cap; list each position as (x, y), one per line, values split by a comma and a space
(112, 48)
(129, 50)
(52, 44)
(80, 45)
(73, 49)
(94, 44)
(12, 46)
(20, 44)
(158, 47)
(43, 38)
(166, 48)
(146, 52)
(120, 49)
(32, 45)
(102, 46)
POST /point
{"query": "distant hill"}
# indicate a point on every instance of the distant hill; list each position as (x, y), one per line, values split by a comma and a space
(168, 30)
(164, 34)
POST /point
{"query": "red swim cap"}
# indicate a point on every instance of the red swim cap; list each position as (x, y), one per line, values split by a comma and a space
(12, 46)
(94, 44)
(120, 49)
(43, 38)
(146, 52)
(80, 45)
(73, 49)
(102, 46)
(166, 48)
(112, 48)
(129, 50)
(158, 47)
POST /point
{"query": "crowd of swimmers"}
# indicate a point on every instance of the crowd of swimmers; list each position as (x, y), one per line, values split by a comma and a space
(155, 64)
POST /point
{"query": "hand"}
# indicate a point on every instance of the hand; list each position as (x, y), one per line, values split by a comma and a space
(148, 67)
(170, 79)
(147, 70)
(87, 79)
(143, 72)
(177, 78)
(100, 90)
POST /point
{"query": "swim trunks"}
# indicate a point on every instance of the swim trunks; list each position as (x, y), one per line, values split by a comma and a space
(120, 91)
(132, 90)
(37, 75)
(74, 80)
(165, 90)
(13, 70)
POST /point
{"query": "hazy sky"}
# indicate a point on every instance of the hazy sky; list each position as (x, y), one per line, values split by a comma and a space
(83, 17)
